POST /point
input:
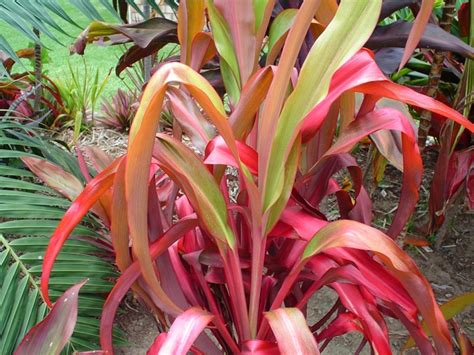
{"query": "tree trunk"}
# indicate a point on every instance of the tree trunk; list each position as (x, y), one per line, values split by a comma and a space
(38, 73)
(435, 73)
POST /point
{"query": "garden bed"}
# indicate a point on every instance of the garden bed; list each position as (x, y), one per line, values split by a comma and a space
(448, 268)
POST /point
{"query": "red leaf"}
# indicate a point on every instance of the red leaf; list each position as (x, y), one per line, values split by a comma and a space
(55, 177)
(217, 152)
(291, 332)
(361, 74)
(349, 234)
(463, 17)
(412, 164)
(52, 333)
(417, 31)
(129, 276)
(79, 208)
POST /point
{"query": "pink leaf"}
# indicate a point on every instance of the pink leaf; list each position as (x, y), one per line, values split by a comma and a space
(52, 333)
(55, 177)
(183, 332)
(291, 331)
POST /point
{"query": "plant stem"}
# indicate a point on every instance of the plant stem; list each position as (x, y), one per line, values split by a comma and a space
(258, 259)
(286, 286)
(435, 73)
(146, 60)
(233, 273)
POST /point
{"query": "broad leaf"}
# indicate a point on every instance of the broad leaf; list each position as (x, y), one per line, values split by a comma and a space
(51, 334)
(291, 331)
(142, 34)
(349, 28)
(183, 332)
(434, 37)
(350, 234)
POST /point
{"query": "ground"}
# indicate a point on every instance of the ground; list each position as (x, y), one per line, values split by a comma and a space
(449, 268)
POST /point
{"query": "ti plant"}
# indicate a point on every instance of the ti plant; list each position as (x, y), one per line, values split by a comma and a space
(118, 111)
(231, 235)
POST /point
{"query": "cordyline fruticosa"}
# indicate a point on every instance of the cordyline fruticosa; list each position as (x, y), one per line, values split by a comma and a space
(245, 264)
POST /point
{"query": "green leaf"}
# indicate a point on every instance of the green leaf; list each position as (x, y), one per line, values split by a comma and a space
(184, 167)
(223, 40)
(449, 309)
(353, 24)
(280, 26)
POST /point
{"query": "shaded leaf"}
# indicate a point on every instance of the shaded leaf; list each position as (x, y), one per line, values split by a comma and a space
(434, 37)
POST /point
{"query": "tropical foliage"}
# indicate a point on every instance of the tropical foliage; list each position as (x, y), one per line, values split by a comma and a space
(244, 265)
(228, 222)
(29, 213)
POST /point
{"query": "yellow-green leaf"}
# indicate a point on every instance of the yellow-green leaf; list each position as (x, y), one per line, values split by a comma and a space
(449, 310)
(345, 35)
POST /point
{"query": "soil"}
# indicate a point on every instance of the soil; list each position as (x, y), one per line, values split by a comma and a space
(449, 267)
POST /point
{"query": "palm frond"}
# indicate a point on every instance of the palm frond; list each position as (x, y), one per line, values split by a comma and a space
(29, 213)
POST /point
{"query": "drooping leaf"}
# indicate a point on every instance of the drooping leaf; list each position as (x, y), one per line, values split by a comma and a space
(142, 137)
(51, 334)
(136, 53)
(88, 197)
(434, 37)
(35, 209)
(143, 34)
(350, 234)
(361, 74)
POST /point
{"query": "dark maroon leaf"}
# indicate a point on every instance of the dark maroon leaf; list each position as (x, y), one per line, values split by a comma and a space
(390, 6)
(463, 18)
(141, 34)
(136, 53)
(388, 59)
(396, 35)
